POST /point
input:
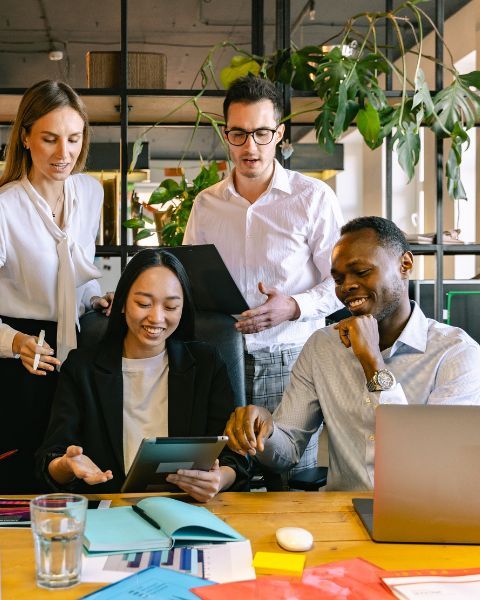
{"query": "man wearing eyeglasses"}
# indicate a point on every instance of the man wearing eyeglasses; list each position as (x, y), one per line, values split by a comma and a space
(275, 230)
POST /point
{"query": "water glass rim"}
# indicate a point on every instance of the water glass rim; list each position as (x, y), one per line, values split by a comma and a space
(63, 499)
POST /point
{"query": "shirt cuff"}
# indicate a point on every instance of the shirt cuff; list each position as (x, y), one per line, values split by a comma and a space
(7, 334)
(394, 396)
(306, 306)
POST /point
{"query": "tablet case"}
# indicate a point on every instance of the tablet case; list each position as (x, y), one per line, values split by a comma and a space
(157, 457)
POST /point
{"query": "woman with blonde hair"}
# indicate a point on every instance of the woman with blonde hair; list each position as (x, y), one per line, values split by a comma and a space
(49, 217)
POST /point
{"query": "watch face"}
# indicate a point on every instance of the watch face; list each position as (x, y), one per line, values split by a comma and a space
(385, 379)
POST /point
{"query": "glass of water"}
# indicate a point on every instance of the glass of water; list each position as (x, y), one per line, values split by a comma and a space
(58, 522)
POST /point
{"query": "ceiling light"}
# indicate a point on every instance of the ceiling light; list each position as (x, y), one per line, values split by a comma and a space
(55, 55)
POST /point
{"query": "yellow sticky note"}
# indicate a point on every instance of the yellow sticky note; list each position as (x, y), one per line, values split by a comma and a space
(279, 563)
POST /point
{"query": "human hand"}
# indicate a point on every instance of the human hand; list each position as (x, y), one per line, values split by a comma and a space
(26, 345)
(76, 464)
(203, 485)
(247, 428)
(277, 309)
(103, 303)
(360, 333)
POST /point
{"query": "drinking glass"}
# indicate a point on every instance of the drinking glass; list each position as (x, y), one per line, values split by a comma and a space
(58, 522)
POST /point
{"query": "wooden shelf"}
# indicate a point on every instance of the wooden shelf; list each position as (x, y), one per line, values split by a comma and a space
(150, 106)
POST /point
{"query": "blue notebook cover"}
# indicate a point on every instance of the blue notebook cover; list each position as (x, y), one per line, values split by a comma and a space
(118, 530)
(152, 584)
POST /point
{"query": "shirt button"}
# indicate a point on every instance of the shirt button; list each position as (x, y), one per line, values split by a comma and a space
(371, 437)
(367, 400)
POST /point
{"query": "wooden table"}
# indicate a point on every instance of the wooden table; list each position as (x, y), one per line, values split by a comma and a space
(336, 529)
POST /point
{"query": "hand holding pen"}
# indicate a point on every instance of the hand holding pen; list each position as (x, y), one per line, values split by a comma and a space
(26, 347)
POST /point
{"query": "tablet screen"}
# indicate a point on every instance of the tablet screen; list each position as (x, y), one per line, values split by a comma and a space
(156, 458)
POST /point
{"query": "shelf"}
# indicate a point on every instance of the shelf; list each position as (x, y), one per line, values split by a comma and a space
(448, 249)
(149, 106)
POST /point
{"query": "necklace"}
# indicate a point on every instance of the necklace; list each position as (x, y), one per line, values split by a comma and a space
(54, 210)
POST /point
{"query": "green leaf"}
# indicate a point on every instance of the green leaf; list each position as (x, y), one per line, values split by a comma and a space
(455, 103)
(452, 168)
(422, 94)
(134, 223)
(408, 148)
(172, 186)
(330, 73)
(324, 128)
(231, 73)
(471, 79)
(341, 111)
(368, 123)
(300, 68)
(144, 233)
(137, 150)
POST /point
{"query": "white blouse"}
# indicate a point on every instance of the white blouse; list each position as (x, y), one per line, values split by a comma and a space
(47, 273)
(145, 402)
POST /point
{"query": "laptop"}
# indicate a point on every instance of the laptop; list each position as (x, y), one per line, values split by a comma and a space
(213, 288)
(427, 475)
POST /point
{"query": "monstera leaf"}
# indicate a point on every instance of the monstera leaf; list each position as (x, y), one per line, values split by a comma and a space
(455, 104)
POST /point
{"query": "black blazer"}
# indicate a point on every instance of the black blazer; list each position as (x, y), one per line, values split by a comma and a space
(88, 408)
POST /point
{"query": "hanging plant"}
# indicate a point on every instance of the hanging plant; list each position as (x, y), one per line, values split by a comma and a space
(346, 80)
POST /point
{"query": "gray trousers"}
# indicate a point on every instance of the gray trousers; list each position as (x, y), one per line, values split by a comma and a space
(266, 377)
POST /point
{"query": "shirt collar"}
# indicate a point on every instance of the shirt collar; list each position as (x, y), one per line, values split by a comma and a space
(279, 181)
(414, 333)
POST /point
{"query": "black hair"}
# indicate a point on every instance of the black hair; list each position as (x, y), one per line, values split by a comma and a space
(252, 89)
(143, 260)
(388, 234)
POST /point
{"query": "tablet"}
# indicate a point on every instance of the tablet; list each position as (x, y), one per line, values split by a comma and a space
(158, 457)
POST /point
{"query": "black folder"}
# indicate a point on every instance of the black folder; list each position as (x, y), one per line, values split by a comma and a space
(213, 287)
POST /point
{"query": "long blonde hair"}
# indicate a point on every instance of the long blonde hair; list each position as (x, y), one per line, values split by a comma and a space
(38, 100)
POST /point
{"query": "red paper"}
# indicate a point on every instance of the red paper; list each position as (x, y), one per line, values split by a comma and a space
(354, 579)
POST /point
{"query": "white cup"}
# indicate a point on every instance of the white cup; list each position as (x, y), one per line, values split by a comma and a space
(58, 522)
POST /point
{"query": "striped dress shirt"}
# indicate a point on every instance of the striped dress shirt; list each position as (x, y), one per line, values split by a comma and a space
(433, 363)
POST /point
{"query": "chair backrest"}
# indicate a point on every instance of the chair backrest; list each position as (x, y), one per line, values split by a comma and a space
(93, 325)
(212, 327)
(218, 330)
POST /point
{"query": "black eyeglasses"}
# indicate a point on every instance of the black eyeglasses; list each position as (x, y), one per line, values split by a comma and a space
(238, 137)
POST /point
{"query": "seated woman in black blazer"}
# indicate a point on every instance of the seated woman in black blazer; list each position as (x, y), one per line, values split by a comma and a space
(144, 379)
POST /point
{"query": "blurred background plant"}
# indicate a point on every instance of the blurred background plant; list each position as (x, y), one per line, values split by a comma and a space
(345, 79)
(177, 198)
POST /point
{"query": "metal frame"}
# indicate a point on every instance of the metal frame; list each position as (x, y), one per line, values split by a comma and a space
(282, 32)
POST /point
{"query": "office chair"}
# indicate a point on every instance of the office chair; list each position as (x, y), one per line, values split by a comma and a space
(309, 480)
(215, 328)
(93, 325)
(218, 330)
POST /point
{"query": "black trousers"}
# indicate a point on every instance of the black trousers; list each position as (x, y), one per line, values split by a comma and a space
(25, 404)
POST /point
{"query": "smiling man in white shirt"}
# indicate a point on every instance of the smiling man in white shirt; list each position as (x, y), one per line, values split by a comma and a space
(275, 230)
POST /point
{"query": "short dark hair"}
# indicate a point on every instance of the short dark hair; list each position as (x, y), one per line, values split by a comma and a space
(143, 260)
(388, 234)
(252, 89)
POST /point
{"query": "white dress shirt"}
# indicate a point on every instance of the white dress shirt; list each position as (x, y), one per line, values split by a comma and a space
(47, 273)
(145, 402)
(433, 363)
(284, 239)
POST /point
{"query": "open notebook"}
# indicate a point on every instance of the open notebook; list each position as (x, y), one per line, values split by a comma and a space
(121, 529)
